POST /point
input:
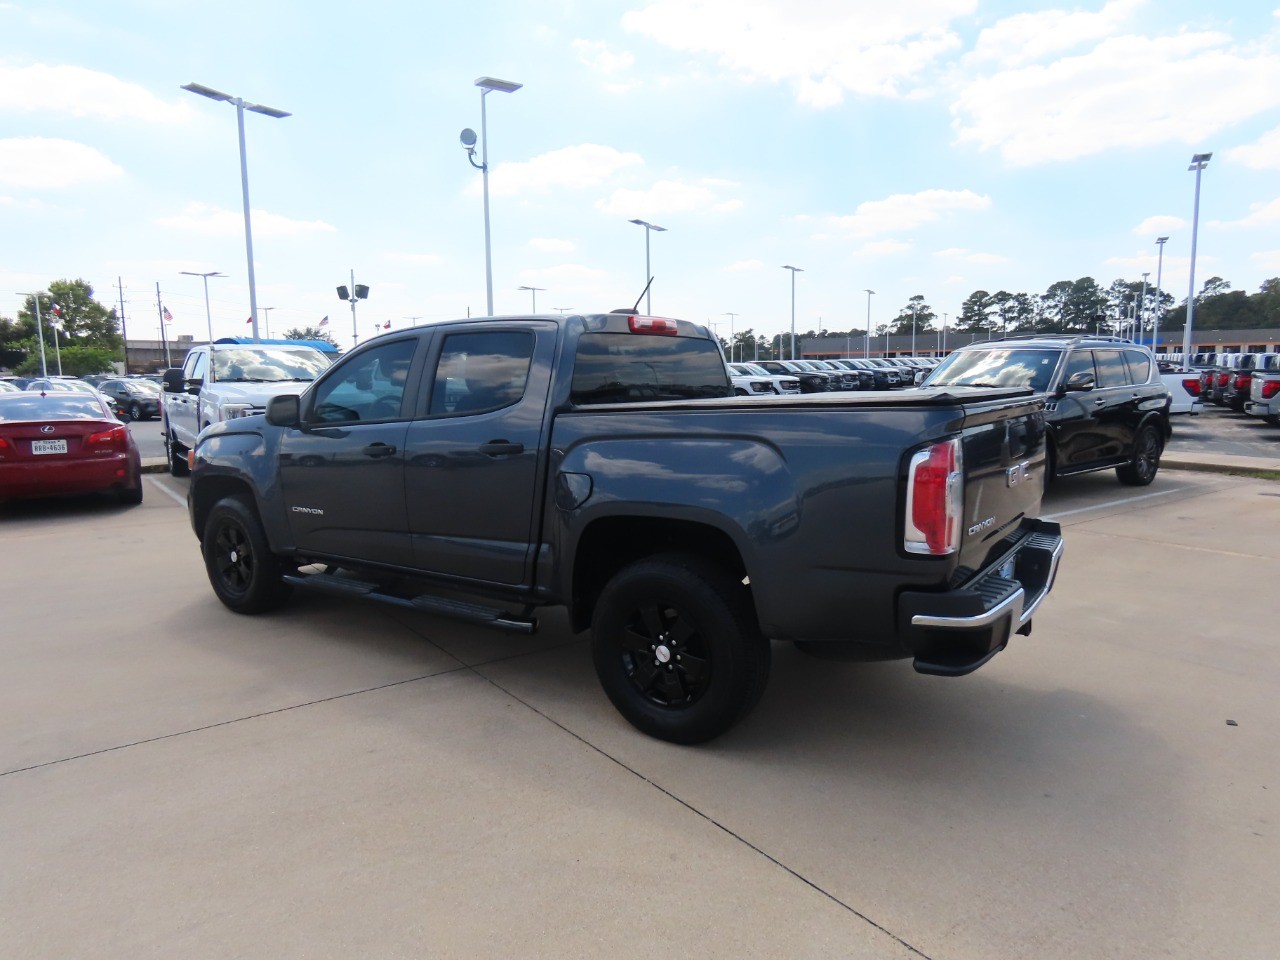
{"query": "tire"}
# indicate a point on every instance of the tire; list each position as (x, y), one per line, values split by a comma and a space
(178, 465)
(131, 496)
(1271, 420)
(242, 570)
(1145, 462)
(135, 411)
(696, 624)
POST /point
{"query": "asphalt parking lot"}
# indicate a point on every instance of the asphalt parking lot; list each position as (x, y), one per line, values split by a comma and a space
(340, 779)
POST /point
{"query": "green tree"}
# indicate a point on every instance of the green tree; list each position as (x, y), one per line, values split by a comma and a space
(88, 330)
(310, 333)
(923, 316)
(975, 313)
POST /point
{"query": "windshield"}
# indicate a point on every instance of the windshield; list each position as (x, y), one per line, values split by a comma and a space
(996, 368)
(263, 364)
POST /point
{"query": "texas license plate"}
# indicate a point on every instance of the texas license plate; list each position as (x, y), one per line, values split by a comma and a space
(48, 446)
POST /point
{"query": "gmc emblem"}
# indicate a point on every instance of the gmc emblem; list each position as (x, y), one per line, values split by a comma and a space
(1018, 473)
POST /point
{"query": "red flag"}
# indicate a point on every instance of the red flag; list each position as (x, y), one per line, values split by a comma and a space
(57, 310)
(387, 325)
(168, 317)
(249, 320)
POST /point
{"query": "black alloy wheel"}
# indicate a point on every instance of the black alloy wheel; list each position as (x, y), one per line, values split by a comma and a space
(244, 573)
(677, 648)
(1145, 462)
(135, 410)
(177, 454)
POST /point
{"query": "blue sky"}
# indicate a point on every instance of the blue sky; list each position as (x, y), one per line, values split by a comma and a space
(925, 146)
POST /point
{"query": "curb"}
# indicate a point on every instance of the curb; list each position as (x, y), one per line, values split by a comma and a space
(1264, 471)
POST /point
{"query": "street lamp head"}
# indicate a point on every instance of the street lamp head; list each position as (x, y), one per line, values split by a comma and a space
(194, 273)
(1162, 240)
(502, 86)
(362, 291)
(649, 226)
(869, 291)
(204, 91)
(468, 139)
(267, 111)
(539, 289)
(794, 270)
(1199, 161)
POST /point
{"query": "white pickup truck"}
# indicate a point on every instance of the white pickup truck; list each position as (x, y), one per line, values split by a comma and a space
(223, 381)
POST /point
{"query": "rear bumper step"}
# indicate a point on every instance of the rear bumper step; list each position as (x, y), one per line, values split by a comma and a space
(956, 632)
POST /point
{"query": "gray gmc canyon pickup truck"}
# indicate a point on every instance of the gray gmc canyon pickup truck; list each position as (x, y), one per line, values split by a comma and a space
(484, 468)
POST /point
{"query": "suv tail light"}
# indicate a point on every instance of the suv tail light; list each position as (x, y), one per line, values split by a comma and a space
(1192, 386)
(1242, 381)
(1222, 380)
(935, 495)
(1270, 389)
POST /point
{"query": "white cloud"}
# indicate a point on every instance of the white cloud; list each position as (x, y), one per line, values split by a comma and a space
(971, 256)
(884, 247)
(1260, 214)
(905, 211)
(1027, 37)
(743, 266)
(569, 273)
(1190, 86)
(1262, 155)
(215, 222)
(668, 196)
(597, 55)
(552, 245)
(584, 165)
(41, 162)
(1159, 226)
(1268, 260)
(80, 92)
(822, 50)
(405, 257)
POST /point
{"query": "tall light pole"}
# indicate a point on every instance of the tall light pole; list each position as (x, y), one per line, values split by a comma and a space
(358, 291)
(533, 291)
(866, 352)
(915, 306)
(1198, 162)
(648, 277)
(732, 317)
(1155, 317)
(468, 139)
(943, 351)
(267, 319)
(794, 271)
(1142, 309)
(205, 276)
(241, 106)
(44, 371)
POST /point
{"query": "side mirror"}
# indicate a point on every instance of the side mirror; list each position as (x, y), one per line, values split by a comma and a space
(193, 386)
(284, 411)
(173, 382)
(1079, 382)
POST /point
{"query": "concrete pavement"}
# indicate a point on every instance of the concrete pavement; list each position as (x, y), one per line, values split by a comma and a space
(338, 779)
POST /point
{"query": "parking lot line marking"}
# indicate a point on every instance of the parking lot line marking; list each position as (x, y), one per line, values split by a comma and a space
(181, 500)
(1112, 503)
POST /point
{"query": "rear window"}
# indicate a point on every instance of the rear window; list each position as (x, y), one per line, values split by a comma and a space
(626, 367)
(54, 406)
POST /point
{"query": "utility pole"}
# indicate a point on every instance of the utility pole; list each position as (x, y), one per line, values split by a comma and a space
(163, 336)
(124, 333)
(732, 317)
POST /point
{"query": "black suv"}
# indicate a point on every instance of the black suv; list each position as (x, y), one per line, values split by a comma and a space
(1105, 404)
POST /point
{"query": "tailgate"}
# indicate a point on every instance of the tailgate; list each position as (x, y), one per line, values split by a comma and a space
(1004, 463)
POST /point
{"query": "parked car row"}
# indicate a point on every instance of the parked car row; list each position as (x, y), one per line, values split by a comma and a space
(137, 397)
(1226, 379)
(825, 376)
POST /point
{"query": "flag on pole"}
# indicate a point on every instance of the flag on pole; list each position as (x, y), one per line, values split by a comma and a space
(249, 320)
(57, 310)
(324, 322)
(387, 325)
(168, 317)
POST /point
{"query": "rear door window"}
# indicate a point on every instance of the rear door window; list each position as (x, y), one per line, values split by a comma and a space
(481, 372)
(1139, 365)
(1111, 368)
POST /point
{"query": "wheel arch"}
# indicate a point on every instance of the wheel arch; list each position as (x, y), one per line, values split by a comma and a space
(210, 490)
(610, 543)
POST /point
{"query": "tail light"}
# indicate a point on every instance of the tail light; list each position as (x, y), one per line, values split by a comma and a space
(1270, 389)
(114, 439)
(935, 500)
(1222, 379)
(665, 328)
(1242, 381)
(1192, 386)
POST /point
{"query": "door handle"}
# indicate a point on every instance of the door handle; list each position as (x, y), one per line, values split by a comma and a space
(501, 448)
(377, 450)
(1100, 402)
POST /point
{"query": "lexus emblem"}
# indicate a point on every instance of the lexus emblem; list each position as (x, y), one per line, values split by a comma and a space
(47, 428)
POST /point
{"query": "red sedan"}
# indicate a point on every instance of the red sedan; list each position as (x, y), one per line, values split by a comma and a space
(64, 443)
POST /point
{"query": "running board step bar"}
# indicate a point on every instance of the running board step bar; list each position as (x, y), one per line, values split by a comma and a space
(426, 603)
